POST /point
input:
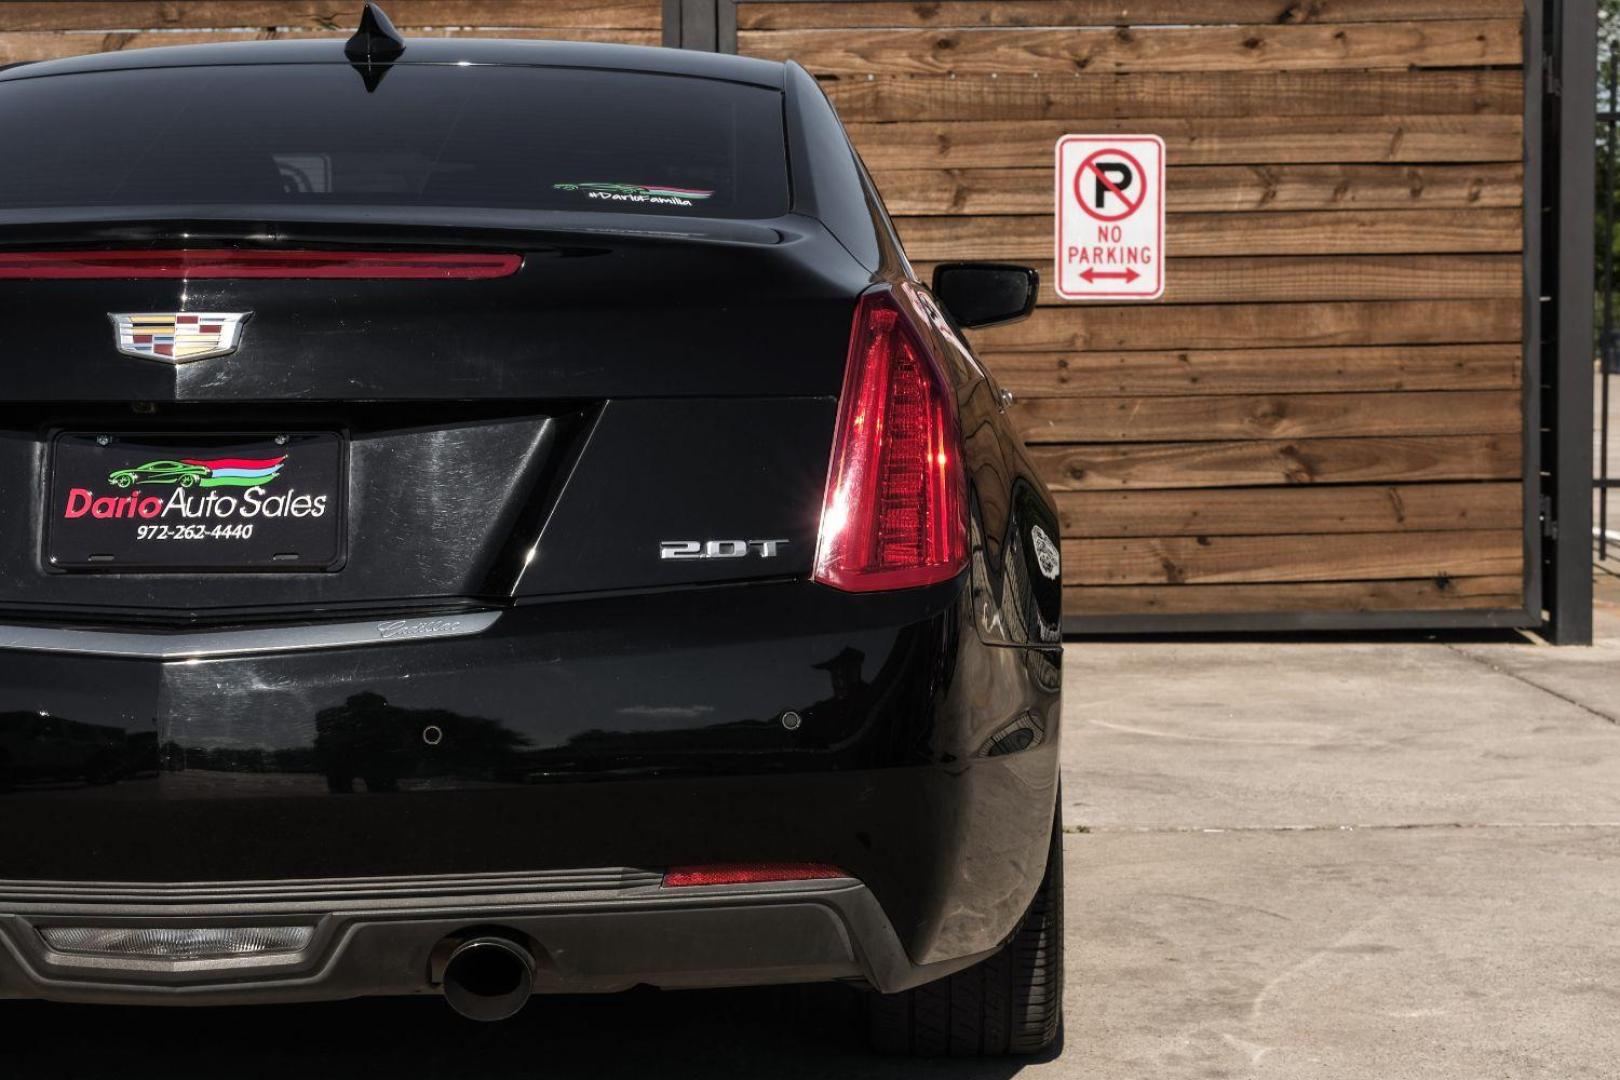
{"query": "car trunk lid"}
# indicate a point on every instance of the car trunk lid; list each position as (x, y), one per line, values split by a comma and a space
(537, 433)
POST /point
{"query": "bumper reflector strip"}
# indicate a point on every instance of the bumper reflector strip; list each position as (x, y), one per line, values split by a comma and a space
(177, 943)
(195, 265)
(748, 874)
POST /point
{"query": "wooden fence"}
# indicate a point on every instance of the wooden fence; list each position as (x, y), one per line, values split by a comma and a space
(1325, 413)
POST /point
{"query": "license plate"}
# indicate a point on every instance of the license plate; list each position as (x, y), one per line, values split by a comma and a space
(200, 503)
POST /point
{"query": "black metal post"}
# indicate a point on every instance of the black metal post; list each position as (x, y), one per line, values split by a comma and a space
(1607, 351)
(1569, 148)
(691, 24)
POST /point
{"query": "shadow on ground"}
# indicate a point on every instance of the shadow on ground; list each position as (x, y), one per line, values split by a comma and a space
(801, 1031)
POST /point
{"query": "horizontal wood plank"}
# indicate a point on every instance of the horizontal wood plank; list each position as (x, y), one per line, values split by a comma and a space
(1258, 371)
(1259, 511)
(1238, 326)
(1269, 416)
(1256, 279)
(1178, 560)
(15, 48)
(1257, 140)
(1286, 232)
(1205, 94)
(323, 14)
(1220, 188)
(1469, 43)
(817, 14)
(1301, 461)
(1504, 592)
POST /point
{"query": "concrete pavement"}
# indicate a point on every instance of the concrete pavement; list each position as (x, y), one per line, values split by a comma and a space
(1376, 953)
(1257, 734)
(1345, 860)
(1302, 860)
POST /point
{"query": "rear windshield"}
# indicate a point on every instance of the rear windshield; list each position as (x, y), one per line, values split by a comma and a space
(428, 136)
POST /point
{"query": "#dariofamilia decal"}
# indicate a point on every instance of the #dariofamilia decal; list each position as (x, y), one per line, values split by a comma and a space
(636, 193)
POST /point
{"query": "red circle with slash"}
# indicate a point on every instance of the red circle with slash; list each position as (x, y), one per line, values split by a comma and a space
(1090, 166)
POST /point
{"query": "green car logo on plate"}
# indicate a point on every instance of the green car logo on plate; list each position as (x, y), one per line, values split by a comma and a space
(201, 472)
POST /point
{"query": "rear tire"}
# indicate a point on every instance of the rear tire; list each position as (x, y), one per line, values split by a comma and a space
(1010, 1003)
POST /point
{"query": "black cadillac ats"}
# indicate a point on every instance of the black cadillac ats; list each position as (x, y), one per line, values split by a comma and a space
(489, 518)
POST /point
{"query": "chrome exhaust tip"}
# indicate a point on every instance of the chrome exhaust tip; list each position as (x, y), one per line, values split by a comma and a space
(488, 978)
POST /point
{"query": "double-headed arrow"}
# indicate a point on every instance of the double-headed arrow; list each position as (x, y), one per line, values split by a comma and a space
(1090, 276)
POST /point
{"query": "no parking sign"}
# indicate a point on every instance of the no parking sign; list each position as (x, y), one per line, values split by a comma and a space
(1110, 217)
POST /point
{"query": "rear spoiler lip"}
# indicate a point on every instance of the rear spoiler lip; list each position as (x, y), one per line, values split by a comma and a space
(429, 226)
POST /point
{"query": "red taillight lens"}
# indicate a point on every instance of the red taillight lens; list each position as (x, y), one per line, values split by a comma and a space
(199, 265)
(895, 513)
(748, 874)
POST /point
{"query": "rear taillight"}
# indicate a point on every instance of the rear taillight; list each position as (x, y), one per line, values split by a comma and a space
(200, 264)
(894, 516)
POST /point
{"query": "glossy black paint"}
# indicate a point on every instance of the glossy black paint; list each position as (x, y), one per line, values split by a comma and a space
(524, 444)
(606, 305)
(636, 731)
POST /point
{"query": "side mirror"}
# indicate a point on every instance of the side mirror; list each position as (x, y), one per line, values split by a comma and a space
(986, 294)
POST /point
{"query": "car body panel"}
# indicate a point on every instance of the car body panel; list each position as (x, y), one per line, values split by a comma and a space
(642, 731)
(522, 449)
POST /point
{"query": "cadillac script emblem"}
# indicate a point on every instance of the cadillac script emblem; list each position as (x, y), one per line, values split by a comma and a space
(179, 337)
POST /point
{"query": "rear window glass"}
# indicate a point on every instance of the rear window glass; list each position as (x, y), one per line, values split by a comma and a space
(311, 135)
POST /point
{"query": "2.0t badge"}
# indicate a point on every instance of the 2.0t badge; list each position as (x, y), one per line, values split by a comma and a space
(179, 337)
(720, 549)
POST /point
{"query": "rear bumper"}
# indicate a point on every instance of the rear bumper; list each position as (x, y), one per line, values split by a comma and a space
(591, 932)
(620, 731)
